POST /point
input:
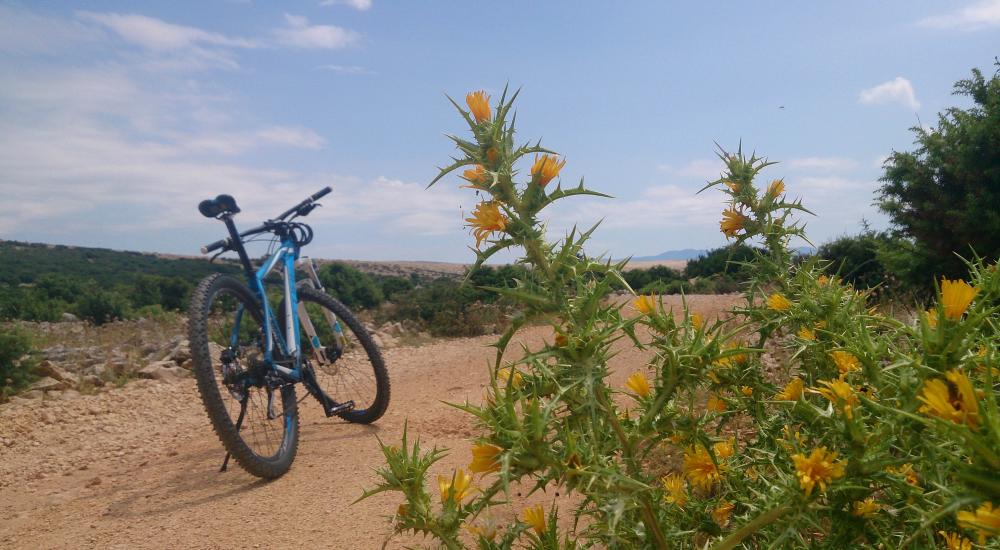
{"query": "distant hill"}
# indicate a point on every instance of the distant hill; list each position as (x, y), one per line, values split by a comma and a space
(23, 263)
(685, 254)
(693, 253)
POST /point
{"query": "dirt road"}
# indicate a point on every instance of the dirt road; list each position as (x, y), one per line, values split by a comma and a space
(137, 467)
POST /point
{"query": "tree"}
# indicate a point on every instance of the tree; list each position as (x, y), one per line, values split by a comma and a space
(945, 196)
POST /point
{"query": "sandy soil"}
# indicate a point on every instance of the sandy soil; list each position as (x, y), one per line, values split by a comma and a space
(137, 467)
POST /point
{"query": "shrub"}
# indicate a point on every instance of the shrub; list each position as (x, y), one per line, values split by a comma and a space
(102, 306)
(857, 259)
(350, 286)
(945, 195)
(17, 368)
(725, 260)
(867, 432)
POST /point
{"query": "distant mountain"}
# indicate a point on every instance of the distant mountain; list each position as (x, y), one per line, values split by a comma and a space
(692, 253)
(686, 254)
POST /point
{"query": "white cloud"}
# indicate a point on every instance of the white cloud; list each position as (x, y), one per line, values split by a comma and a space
(158, 35)
(702, 169)
(830, 164)
(898, 90)
(345, 69)
(298, 33)
(360, 5)
(980, 15)
(23, 31)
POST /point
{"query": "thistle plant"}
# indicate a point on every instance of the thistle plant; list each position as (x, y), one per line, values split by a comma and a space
(806, 419)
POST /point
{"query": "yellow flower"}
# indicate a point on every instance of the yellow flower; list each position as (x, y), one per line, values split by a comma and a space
(985, 520)
(792, 391)
(716, 404)
(476, 174)
(823, 280)
(479, 104)
(841, 394)
(746, 390)
(729, 360)
(454, 488)
(954, 541)
(776, 188)
(545, 168)
(865, 508)
(932, 317)
(732, 222)
(561, 340)
(535, 517)
(722, 512)
(486, 529)
(506, 376)
(724, 449)
(484, 458)
(778, 302)
(699, 468)
(806, 333)
(402, 510)
(751, 473)
(846, 361)
(954, 400)
(676, 491)
(696, 321)
(638, 384)
(956, 297)
(486, 219)
(733, 186)
(819, 468)
(907, 471)
(492, 155)
(645, 304)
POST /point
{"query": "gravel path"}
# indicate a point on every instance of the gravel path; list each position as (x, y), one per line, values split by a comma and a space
(137, 467)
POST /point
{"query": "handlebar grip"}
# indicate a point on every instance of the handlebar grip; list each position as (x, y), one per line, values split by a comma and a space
(215, 246)
(321, 193)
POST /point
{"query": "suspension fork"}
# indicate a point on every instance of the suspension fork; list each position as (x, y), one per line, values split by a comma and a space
(323, 355)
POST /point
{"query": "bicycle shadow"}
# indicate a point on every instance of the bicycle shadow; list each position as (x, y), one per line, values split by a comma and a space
(194, 481)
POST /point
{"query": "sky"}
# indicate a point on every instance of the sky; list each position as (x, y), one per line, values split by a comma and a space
(117, 117)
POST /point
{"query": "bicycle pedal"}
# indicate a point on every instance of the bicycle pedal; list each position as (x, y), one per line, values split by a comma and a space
(340, 408)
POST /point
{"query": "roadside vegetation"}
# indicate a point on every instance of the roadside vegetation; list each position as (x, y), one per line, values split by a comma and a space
(807, 420)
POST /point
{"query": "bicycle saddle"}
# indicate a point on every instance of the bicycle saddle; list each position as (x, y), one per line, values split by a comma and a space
(223, 204)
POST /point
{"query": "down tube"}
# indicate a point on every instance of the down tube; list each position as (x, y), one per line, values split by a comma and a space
(291, 312)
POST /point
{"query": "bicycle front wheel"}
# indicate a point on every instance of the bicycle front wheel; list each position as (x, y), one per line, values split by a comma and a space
(345, 359)
(255, 418)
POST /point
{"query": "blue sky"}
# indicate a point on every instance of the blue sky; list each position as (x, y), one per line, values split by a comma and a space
(116, 118)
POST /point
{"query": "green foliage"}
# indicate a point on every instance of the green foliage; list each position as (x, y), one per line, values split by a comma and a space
(857, 259)
(16, 366)
(350, 286)
(727, 260)
(945, 195)
(41, 282)
(101, 306)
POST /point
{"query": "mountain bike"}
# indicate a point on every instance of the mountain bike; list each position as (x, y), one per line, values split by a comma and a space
(248, 355)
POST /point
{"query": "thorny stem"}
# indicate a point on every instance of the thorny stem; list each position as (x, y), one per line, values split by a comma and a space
(760, 521)
(648, 517)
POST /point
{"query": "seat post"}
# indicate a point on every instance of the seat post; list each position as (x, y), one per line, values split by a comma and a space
(234, 236)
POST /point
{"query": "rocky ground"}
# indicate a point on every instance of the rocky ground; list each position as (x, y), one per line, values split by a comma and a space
(115, 450)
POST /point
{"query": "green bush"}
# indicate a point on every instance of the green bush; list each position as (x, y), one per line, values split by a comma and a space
(725, 260)
(944, 197)
(102, 306)
(350, 286)
(17, 367)
(446, 307)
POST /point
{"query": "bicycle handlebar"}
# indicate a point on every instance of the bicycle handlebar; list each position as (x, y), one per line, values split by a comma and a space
(225, 243)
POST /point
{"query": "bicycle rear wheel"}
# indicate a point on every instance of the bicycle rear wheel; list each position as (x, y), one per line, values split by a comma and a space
(255, 416)
(347, 364)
